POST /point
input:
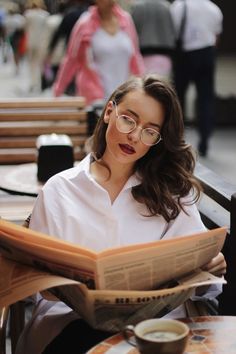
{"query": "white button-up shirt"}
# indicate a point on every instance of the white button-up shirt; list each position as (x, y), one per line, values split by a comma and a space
(74, 207)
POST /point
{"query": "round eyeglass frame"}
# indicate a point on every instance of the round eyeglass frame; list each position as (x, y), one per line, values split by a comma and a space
(135, 126)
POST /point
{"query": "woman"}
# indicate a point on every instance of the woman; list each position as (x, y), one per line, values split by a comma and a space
(103, 52)
(136, 186)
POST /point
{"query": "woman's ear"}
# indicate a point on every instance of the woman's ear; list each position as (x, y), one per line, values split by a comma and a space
(108, 111)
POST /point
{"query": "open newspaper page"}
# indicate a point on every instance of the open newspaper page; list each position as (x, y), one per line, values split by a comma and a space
(48, 253)
(115, 268)
(158, 262)
(18, 281)
(102, 309)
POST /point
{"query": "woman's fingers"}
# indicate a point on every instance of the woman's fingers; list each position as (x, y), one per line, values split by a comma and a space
(217, 265)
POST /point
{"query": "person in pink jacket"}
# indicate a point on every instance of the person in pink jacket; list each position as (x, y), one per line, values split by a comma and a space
(102, 53)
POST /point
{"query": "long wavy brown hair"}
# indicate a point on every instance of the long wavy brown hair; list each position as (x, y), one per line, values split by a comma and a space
(166, 171)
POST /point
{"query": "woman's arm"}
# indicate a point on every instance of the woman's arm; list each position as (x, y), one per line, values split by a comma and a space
(68, 67)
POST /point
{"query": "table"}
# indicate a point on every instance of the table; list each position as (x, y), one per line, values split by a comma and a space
(208, 335)
(18, 188)
(20, 179)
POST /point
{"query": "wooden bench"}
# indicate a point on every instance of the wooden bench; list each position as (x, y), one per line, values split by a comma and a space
(23, 120)
(218, 208)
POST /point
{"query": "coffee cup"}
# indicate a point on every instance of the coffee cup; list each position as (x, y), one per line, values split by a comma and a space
(162, 336)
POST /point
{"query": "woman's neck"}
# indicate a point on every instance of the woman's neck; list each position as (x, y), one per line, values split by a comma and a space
(109, 21)
(112, 171)
(111, 176)
(105, 14)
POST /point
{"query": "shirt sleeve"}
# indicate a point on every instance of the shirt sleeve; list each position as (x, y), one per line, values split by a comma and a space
(47, 210)
(187, 222)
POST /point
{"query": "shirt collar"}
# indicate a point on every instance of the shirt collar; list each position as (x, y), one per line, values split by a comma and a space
(84, 169)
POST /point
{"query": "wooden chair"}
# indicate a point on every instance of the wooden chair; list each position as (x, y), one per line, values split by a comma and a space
(218, 208)
(23, 120)
(3, 322)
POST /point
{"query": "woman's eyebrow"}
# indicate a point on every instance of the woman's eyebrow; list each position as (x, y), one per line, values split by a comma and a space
(132, 112)
(137, 116)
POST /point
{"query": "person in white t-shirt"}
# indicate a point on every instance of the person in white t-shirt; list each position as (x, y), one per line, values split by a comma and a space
(203, 25)
(136, 186)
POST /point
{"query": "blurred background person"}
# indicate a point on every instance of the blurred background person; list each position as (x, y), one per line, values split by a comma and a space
(203, 25)
(74, 9)
(156, 33)
(15, 34)
(2, 33)
(103, 52)
(36, 17)
(51, 64)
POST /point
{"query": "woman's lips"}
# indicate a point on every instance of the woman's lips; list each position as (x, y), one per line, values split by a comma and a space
(127, 149)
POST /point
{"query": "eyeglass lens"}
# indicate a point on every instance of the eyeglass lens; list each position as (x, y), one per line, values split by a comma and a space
(127, 124)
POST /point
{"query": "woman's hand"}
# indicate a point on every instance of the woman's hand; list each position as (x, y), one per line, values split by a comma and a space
(217, 266)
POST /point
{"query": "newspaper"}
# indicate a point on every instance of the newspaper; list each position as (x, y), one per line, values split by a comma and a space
(115, 268)
(107, 310)
(110, 288)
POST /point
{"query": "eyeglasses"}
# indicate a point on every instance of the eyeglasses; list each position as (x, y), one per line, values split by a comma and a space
(126, 124)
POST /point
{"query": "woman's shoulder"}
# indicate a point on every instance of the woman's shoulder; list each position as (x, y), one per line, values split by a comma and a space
(87, 22)
(121, 13)
(70, 174)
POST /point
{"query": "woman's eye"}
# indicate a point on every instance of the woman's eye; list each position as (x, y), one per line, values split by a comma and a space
(128, 120)
(151, 132)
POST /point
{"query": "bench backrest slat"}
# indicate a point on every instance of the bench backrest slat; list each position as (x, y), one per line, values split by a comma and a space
(35, 115)
(43, 102)
(23, 120)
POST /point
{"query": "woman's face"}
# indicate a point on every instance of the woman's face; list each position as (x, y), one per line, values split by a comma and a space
(147, 113)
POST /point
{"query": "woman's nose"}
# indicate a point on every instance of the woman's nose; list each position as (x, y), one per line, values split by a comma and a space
(135, 135)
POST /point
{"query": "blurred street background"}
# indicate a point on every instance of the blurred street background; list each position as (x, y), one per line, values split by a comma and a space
(222, 151)
(221, 157)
